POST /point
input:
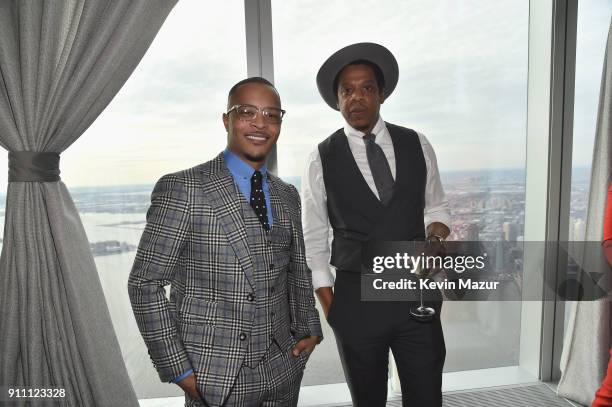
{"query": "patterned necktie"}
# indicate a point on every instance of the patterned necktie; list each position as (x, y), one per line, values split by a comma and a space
(258, 199)
(381, 172)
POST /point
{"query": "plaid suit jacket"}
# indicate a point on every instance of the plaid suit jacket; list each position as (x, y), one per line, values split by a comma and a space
(195, 241)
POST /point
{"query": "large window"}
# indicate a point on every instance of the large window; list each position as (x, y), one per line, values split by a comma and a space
(167, 117)
(463, 83)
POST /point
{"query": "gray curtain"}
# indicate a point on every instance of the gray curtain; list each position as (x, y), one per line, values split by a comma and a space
(587, 340)
(61, 63)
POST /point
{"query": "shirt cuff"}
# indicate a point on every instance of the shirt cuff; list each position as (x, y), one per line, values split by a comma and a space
(181, 377)
(442, 217)
(322, 278)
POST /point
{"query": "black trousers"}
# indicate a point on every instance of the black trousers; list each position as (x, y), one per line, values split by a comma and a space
(366, 330)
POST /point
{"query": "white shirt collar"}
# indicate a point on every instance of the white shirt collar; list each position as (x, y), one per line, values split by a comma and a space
(353, 134)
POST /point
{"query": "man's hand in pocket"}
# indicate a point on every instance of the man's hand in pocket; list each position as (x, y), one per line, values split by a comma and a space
(189, 386)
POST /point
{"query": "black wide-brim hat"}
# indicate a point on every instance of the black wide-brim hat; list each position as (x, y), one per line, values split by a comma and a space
(375, 53)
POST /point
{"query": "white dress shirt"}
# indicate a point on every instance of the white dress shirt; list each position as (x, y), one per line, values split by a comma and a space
(315, 221)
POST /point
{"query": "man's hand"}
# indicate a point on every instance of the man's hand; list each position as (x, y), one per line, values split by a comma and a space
(305, 345)
(439, 229)
(188, 385)
(434, 245)
(326, 296)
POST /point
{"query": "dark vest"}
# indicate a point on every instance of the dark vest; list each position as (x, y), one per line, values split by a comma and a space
(355, 214)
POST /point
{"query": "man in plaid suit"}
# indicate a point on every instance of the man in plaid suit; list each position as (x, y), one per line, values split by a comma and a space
(227, 236)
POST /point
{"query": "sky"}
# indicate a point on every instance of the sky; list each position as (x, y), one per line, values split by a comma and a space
(463, 83)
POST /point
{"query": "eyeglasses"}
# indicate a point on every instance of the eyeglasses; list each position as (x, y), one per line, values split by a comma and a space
(248, 113)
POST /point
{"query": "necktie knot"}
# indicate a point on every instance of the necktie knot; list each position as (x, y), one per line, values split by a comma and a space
(256, 177)
(369, 138)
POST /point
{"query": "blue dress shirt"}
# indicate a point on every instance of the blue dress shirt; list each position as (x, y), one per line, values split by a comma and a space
(184, 375)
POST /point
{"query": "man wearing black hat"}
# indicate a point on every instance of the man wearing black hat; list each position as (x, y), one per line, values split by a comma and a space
(372, 180)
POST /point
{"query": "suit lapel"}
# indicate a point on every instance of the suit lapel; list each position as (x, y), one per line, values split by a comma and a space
(220, 188)
(282, 228)
(276, 201)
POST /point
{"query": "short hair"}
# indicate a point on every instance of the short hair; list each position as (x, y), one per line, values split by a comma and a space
(253, 79)
(380, 78)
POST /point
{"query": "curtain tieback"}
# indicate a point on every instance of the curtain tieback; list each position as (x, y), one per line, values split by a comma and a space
(32, 166)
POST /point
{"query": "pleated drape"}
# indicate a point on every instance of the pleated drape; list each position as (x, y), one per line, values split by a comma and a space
(61, 63)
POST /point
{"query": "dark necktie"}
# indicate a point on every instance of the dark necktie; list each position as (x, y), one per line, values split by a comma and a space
(381, 172)
(258, 199)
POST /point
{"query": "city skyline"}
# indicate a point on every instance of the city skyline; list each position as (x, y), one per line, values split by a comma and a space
(492, 182)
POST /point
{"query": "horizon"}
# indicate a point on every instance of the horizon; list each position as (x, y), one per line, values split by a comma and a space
(578, 170)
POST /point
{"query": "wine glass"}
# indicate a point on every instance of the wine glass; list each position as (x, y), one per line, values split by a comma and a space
(422, 313)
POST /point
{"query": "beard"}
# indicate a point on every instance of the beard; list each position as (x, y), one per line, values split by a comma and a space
(361, 124)
(255, 158)
(360, 127)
